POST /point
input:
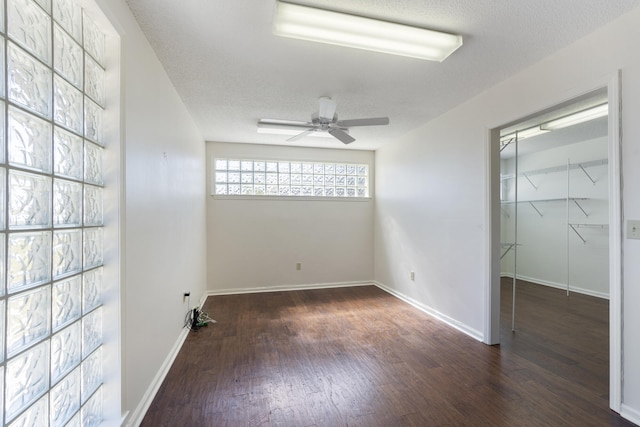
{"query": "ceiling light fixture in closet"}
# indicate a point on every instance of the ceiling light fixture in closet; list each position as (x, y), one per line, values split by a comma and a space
(325, 26)
(582, 116)
(524, 134)
(576, 118)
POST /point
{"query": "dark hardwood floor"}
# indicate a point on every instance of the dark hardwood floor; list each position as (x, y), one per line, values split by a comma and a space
(360, 357)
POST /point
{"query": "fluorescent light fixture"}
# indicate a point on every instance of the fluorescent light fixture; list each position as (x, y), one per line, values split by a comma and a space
(284, 129)
(524, 134)
(324, 26)
(579, 117)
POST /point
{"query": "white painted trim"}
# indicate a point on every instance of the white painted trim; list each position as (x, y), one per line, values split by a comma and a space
(473, 333)
(492, 245)
(139, 413)
(285, 288)
(557, 285)
(615, 243)
(291, 198)
(630, 414)
(141, 410)
(613, 85)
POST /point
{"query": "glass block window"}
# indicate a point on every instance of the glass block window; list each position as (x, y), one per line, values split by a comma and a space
(234, 177)
(52, 103)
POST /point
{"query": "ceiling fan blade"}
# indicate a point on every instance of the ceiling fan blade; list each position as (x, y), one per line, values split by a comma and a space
(341, 135)
(327, 108)
(300, 135)
(374, 121)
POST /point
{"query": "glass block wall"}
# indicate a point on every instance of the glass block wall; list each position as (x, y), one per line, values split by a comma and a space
(52, 100)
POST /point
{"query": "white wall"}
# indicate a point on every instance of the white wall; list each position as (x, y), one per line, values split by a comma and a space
(432, 213)
(256, 242)
(164, 242)
(542, 250)
(429, 219)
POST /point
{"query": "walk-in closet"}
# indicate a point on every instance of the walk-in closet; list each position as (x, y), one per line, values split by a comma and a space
(554, 226)
(554, 199)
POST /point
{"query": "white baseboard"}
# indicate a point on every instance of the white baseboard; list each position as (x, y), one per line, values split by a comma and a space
(630, 414)
(285, 288)
(473, 333)
(136, 417)
(556, 285)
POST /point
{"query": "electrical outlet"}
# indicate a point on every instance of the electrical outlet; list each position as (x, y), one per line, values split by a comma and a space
(633, 229)
(413, 276)
(298, 266)
(186, 294)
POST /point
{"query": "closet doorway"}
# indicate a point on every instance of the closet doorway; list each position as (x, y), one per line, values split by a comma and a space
(554, 200)
(556, 267)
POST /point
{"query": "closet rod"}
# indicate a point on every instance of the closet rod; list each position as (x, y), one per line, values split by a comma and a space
(510, 202)
(600, 226)
(562, 168)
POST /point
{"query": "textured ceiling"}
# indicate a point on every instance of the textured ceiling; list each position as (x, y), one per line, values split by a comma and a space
(231, 71)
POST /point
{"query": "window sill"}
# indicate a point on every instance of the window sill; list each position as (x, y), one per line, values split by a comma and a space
(293, 198)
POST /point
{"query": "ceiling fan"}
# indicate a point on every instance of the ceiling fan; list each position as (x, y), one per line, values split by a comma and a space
(325, 120)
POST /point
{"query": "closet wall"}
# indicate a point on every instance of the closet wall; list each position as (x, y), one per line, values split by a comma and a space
(545, 229)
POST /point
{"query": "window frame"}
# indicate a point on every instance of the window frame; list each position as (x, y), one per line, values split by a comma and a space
(290, 197)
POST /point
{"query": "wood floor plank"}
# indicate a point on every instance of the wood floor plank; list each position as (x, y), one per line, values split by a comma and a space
(361, 357)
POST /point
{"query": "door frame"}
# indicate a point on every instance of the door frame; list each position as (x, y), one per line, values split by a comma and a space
(492, 251)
